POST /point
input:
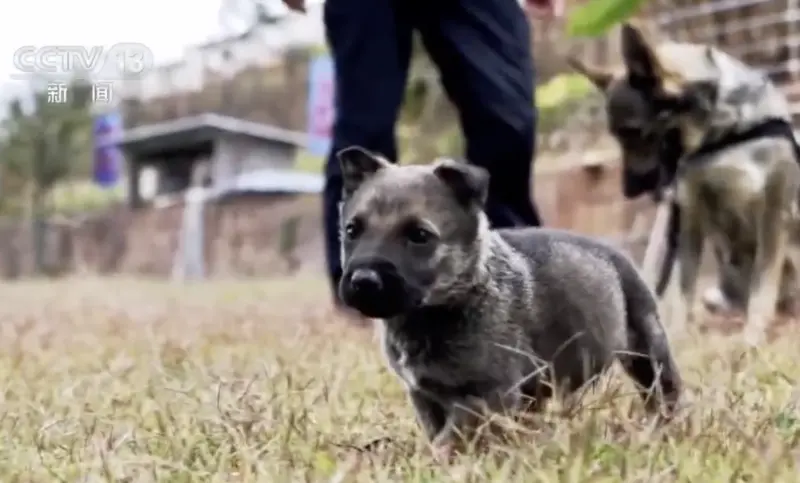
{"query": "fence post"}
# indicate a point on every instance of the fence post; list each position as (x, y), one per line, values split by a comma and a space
(189, 260)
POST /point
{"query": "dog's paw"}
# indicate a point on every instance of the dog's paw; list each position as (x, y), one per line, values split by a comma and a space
(716, 302)
(443, 452)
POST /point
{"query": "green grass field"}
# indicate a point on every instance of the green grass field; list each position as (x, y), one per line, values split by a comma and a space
(123, 380)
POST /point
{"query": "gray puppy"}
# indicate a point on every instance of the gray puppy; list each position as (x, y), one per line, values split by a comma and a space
(478, 320)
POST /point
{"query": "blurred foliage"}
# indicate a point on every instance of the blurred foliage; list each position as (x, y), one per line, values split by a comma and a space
(561, 89)
(81, 196)
(40, 145)
(596, 17)
(428, 124)
(421, 138)
(41, 140)
(559, 98)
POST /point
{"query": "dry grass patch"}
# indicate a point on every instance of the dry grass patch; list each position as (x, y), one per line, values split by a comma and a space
(121, 380)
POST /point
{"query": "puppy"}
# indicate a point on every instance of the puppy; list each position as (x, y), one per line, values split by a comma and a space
(474, 320)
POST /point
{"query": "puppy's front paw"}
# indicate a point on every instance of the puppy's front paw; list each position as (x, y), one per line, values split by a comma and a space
(443, 451)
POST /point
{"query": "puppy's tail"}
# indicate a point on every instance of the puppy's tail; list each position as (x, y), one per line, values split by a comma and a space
(649, 359)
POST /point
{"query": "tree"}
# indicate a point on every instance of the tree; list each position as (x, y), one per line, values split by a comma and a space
(39, 147)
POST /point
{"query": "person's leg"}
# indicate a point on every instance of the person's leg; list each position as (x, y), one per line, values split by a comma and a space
(482, 49)
(370, 42)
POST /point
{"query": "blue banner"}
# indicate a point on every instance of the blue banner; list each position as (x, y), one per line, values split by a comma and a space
(107, 165)
(321, 110)
(107, 161)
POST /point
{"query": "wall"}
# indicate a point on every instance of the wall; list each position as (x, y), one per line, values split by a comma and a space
(243, 234)
(588, 199)
(243, 238)
(235, 155)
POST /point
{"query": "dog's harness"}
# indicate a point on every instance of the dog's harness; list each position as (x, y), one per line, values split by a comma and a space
(772, 128)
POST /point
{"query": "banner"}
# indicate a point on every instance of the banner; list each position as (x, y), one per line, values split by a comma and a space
(108, 159)
(107, 165)
(321, 110)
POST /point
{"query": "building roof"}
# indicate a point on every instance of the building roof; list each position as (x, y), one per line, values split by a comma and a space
(262, 181)
(203, 127)
(273, 181)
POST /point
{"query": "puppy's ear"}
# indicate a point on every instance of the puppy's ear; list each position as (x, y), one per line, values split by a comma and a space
(358, 165)
(470, 184)
(639, 57)
(599, 77)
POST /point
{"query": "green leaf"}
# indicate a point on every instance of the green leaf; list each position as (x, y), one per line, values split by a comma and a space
(562, 89)
(595, 17)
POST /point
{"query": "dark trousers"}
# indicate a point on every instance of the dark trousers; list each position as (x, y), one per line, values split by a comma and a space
(482, 51)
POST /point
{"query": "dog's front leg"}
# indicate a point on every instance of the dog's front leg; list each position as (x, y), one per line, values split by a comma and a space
(765, 281)
(690, 253)
(468, 414)
(436, 421)
(431, 415)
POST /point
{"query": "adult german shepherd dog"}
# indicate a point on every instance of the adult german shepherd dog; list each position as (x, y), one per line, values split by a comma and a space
(732, 168)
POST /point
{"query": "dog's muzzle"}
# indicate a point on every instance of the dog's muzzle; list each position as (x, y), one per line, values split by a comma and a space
(375, 289)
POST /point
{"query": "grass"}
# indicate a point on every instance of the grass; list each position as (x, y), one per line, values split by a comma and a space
(124, 380)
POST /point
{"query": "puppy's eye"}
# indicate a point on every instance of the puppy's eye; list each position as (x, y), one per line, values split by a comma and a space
(419, 235)
(353, 229)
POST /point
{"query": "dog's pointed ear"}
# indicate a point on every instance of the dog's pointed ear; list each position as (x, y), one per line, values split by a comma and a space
(639, 57)
(470, 184)
(358, 165)
(598, 76)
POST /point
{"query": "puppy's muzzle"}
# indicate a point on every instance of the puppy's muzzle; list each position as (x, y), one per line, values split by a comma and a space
(375, 289)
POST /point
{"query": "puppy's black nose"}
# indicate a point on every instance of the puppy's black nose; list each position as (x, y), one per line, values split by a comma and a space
(366, 281)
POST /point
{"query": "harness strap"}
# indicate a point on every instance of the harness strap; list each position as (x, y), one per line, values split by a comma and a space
(772, 128)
